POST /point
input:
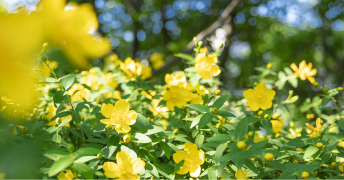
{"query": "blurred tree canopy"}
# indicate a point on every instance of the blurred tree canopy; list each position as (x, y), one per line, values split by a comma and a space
(254, 33)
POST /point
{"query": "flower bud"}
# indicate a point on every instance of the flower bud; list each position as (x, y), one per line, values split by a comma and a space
(108, 126)
(215, 110)
(266, 116)
(319, 145)
(316, 84)
(25, 129)
(269, 65)
(326, 89)
(167, 88)
(276, 115)
(221, 45)
(218, 92)
(205, 96)
(126, 138)
(99, 156)
(200, 43)
(241, 145)
(334, 164)
(269, 156)
(194, 91)
(340, 88)
(58, 158)
(260, 113)
(219, 125)
(250, 134)
(276, 106)
(58, 121)
(56, 68)
(70, 148)
(305, 175)
(291, 92)
(175, 132)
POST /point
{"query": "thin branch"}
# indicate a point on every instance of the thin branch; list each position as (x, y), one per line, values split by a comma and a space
(223, 17)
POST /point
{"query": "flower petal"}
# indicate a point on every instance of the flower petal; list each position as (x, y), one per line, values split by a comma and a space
(266, 104)
(170, 105)
(62, 175)
(110, 166)
(201, 156)
(240, 175)
(121, 106)
(131, 115)
(123, 159)
(190, 148)
(107, 110)
(311, 79)
(179, 156)
(138, 165)
(184, 169)
(249, 94)
(254, 106)
(270, 94)
(294, 67)
(195, 173)
(261, 86)
(215, 70)
(106, 121)
(126, 128)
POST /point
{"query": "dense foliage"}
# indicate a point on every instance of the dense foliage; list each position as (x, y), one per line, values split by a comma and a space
(118, 120)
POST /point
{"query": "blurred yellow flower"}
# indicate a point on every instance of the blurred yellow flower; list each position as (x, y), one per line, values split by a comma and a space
(240, 175)
(45, 70)
(174, 80)
(90, 79)
(146, 72)
(176, 96)
(196, 98)
(51, 112)
(192, 157)
(206, 65)
(277, 125)
(131, 68)
(114, 94)
(158, 111)
(111, 82)
(164, 123)
(119, 115)
(260, 97)
(70, 29)
(125, 168)
(68, 175)
(304, 71)
(53, 123)
(79, 93)
(316, 129)
(148, 94)
(157, 60)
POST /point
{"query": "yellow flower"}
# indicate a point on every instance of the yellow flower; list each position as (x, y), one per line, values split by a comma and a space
(69, 29)
(176, 96)
(146, 72)
(114, 94)
(131, 68)
(110, 80)
(53, 123)
(79, 93)
(316, 129)
(206, 65)
(149, 94)
(174, 80)
(240, 175)
(90, 79)
(51, 112)
(158, 111)
(192, 157)
(120, 114)
(157, 60)
(125, 168)
(45, 70)
(304, 71)
(260, 97)
(68, 175)
(196, 98)
(164, 123)
(277, 125)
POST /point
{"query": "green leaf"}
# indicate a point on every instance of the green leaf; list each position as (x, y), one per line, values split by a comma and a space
(85, 159)
(219, 151)
(198, 107)
(59, 96)
(196, 121)
(212, 172)
(61, 164)
(325, 157)
(256, 147)
(178, 166)
(141, 138)
(152, 170)
(248, 163)
(185, 56)
(297, 142)
(142, 122)
(205, 119)
(88, 151)
(310, 151)
(281, 80)
(277, 165)
(65, 121)
(220, 138)
(84, 170)
(325, 101)
(220, 101)
(199, 139)
(225, 113)
(56, 138)
(166, 149)
(74, 132)
(67, 81)
(241, 129)
(267, 125)
(155, 130)
(293, 81)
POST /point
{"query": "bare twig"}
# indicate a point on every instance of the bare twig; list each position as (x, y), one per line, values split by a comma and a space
(223, 17)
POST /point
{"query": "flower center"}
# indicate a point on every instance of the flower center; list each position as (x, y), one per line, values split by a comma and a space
(259, 96)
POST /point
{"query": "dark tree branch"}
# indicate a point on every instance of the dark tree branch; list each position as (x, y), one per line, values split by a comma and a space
(223, 17)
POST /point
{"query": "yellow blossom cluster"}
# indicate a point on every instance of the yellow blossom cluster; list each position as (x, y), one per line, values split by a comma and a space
(135, 69)
(304, 71)
(206, 65)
